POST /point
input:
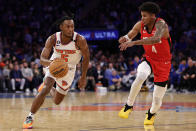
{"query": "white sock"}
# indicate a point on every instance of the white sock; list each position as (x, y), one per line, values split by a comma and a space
(143, 71)
(31, 114)
(158, 94)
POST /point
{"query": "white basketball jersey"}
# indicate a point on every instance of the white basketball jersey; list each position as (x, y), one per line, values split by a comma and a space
(69, 52)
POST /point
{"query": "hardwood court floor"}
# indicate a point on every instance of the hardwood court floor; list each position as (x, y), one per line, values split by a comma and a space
(98, 112)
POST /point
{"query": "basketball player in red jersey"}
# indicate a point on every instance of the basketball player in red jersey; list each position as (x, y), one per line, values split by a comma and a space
(67, 45)
(156, 41)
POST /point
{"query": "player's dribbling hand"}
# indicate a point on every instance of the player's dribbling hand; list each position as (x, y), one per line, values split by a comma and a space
(55, 59)
(82, 83)
(58, 59)
(122, 39)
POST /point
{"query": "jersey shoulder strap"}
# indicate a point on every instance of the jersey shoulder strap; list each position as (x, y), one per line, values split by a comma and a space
(75, 36)
(58, 36)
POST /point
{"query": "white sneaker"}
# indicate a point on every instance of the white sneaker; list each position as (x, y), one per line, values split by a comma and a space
(34, 91)
(27, 90)
(171, 89)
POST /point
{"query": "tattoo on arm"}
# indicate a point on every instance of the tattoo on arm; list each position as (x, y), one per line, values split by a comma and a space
(161, 26)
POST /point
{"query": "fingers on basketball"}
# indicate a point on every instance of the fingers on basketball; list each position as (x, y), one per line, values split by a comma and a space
(58, 68)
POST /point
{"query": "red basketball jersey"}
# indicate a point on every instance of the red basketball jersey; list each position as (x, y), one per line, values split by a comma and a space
(160, 51)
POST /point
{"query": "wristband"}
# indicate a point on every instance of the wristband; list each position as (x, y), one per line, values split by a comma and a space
(127, 37)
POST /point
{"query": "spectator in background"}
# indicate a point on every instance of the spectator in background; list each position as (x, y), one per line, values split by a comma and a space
(1, 80)
(21, 66)
(108, 71)
(136, 62)
(188, 80)
(1, 46)
(182, 66)
(0, 57)
(127, 80)
(28, 75)
(17, 78)
(114, 81)
(91, 77)
(32, 64)
(122, 63)
(7, 57)
(173, 78)
(36, 58)
(2, 64)
(6, 74)
(37, 76)
(76, 78)
(100, 76)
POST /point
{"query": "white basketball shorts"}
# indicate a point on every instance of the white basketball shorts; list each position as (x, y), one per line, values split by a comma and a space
(62, 84)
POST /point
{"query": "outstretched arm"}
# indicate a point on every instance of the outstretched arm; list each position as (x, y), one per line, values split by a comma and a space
(44, 58)
(161, 28)
(131, 34)
(86, 58)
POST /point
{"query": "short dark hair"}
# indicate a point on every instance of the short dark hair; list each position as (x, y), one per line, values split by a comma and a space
(66, 17)
(150, 7)
(57, 23)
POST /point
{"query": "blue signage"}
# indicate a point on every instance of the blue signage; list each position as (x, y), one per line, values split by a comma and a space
(99, 34)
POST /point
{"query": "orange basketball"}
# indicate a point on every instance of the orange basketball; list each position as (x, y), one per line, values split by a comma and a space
(58, 68)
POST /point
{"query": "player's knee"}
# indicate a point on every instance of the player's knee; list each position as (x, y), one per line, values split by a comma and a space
(47, 87)
(45, 90)
(58, 98)
(141, 76)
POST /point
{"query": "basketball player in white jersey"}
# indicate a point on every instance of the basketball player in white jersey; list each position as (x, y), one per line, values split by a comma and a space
(67, 45)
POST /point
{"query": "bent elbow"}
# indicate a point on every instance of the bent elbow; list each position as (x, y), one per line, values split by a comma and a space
(41, 62)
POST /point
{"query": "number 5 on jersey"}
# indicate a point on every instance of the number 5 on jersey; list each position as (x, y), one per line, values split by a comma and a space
(65, 57)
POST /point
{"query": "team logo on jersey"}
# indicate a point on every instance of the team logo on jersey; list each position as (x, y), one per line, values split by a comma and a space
(64, 83)
(58, 43)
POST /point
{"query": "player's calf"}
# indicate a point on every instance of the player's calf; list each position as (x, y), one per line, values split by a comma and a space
(58, 97)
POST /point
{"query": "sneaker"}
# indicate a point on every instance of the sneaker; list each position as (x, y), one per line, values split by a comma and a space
(35, 90)
(27, 90)
(171, 89)
(41, 86)
(28, 123)
(149, 120)
(125, 111)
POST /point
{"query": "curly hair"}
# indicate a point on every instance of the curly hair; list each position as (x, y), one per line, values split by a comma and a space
(150, 7)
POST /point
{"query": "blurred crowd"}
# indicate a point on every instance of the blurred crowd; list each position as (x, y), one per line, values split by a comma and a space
(26, 24)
